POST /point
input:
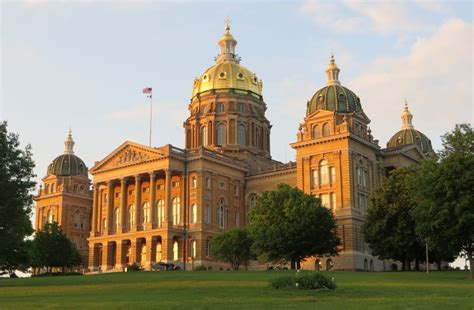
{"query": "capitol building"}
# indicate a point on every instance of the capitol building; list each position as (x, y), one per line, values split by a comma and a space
(164, 204)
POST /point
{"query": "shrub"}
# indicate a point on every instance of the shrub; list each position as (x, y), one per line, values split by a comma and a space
(306, 280)
(133, 267)
(200, 268)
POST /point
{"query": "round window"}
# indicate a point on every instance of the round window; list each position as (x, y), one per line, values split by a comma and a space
(241, 76)
(222, 74)
(205, 77)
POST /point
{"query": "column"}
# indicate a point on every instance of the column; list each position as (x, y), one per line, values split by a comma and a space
(94, 210)
(105, 256)
(119, 256)
(138, 202)
(152, 200)
(168, 217)
(149, 242)
(110, 206)
(167, 249)
(184, 199)
(92, 254)
(123, 205)
(133, 251)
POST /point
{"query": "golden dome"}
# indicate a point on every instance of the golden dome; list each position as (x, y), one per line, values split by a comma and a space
(227, 73)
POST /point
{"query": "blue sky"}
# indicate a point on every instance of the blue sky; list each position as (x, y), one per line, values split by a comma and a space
(84, 63)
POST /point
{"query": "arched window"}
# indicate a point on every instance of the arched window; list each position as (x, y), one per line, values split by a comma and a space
(253, 201)
(160, 212)
(208, 247)
(325, 130)
(104, 223)
(158, 252)
(77, 219)
(193, 182)
(221, 134)
(241, 135)
(146, 212)
(329, 264)
(175, 250)
(220, 213)
(193, 213)
(316, 133)
(117, 219)
(176, 210)
(81, 189)
(53, 188)
(46, 188)
(131, 216)
(50, 216)
(193, 248)
(74, 189)
(323, 172)
(204, 136)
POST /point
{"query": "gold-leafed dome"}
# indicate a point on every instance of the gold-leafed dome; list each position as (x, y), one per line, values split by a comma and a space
(227, 73)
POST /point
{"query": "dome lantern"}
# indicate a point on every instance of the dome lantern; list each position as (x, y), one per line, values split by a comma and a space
(227, 45)
(69, 144)
(332, 71)
(406, 117)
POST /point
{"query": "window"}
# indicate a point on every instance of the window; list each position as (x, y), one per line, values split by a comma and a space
(208, 182)
(208, 247)
(131, 216)
(241, 105)
(46, 188)
(241, 135)
(314, 179)
(221, 134)
(81, 189)
(323, 172)
(359, 175)
(193, 248)
(158, 252)
(332, 170)
(160, 212)
(325, 200)
(220, 213)
(175, 250)
(176, 210)
(333, 201)
(222, 185)
(253, 201)
(50, 216)
(236, 190)
(117, 219)
(325, 129)
(316, 133)
(365, 178)
(193, 182)
(237, 219)
(204, 136)
(77, 219)
(146, 212)
(175, 184)
(193, 213)
(220, 107)
(75, 188)
(207, 214)
(104, 223)
(105, 198)
(53, 188)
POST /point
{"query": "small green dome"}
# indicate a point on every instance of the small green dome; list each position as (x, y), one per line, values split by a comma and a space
(411, 136)
(335, 98)
(67, 165)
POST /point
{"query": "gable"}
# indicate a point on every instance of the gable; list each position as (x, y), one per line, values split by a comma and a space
(129, 153)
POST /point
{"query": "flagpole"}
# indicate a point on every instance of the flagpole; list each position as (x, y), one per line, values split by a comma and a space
(151, 113)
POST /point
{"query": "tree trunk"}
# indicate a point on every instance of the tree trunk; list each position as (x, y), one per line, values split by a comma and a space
(408, 263)
(417, 265)
(292, 264)
(298, 264)
(404, 267)
(438, 265)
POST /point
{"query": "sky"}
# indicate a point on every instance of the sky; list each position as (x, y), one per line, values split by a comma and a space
(83, 64)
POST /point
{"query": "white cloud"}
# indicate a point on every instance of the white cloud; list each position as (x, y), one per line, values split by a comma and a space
(354, 16)
(436, 77)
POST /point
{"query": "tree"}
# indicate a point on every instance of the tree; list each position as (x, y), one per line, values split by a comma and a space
(446, 215)
(233, 246)
(16, 184)
(289, 225)
(52, 249)
(389, 227)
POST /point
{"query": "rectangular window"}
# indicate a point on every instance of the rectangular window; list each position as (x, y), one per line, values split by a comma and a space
(325, 200)
(333, 175)
(241, 107)
(208, 182)
(365, 178)
(175, 184)
(222, 185)
(207, 214)
(333, 202)
(236, 190)
(208, 247)
(314, 179)
(237, 219)
(359, 175)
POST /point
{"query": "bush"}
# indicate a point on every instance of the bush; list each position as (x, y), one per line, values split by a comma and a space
(133, 267)
(307, 280)
(200, 268)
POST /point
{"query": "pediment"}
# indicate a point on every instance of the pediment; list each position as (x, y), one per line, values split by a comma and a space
(319, 114)
(129, 153)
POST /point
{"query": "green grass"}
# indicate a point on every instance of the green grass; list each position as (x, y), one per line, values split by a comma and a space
(238, 290)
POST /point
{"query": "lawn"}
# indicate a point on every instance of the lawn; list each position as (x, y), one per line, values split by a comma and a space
(238, 290)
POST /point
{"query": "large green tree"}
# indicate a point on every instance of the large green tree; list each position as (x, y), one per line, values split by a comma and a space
(289, 225)
(233, 246)
(445, 214)
(16, 185)
(52, 249)
(389, 227)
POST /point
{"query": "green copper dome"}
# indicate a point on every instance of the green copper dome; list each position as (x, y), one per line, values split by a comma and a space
(409, 135)
(68, 164)
(334, 96)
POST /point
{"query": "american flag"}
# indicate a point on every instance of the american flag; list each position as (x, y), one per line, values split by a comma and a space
(147, 90)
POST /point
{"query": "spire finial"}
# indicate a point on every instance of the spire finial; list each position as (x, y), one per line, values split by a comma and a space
(332, 54)
(69, 143)
(227, 24)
